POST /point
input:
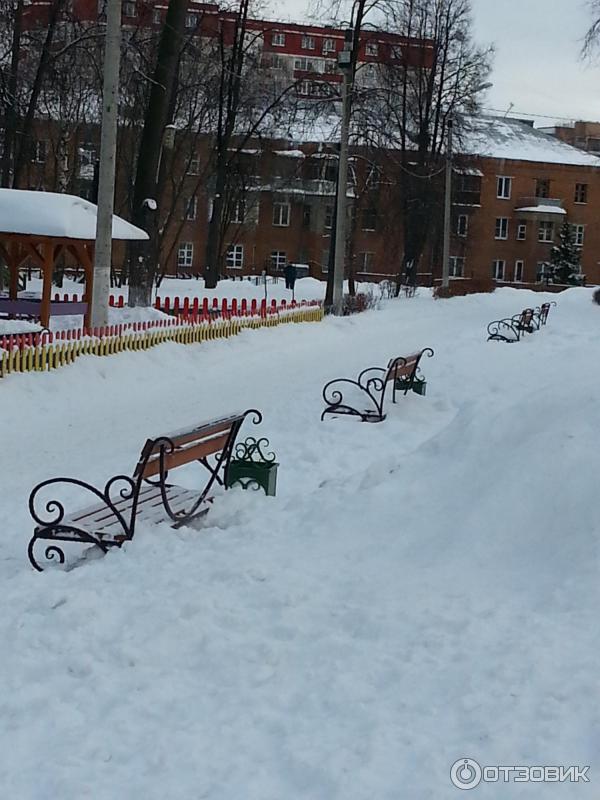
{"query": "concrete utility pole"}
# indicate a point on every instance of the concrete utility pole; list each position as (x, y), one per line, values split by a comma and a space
(345, 65)
(447, 210)
(108, 156)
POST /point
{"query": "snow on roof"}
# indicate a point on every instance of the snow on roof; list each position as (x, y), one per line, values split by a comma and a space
(53, 214)
(290, 153)
(512, 139)
(541, 209)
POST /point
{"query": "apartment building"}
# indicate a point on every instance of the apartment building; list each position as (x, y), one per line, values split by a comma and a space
(517, 187)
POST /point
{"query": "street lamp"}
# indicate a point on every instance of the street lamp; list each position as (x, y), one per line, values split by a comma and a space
(345, 65)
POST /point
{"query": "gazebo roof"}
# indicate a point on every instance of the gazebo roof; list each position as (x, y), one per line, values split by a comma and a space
(62, 216)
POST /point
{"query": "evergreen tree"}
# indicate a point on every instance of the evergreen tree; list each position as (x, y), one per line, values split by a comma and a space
(565, 258)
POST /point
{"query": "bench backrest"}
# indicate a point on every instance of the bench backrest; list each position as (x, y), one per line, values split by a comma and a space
(182, 447)
(526, 317)
(402, 366)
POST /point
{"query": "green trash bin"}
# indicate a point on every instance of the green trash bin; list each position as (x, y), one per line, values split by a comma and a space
(252, 467)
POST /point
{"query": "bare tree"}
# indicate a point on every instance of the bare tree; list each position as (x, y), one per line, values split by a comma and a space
(592, 37)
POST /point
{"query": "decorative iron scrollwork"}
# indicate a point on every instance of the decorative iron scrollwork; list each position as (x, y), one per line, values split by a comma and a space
(370, 385)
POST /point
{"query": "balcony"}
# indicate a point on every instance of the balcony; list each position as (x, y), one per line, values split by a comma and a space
(539, 205)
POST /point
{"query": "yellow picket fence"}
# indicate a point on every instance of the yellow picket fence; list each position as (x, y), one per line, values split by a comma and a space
(46, 355)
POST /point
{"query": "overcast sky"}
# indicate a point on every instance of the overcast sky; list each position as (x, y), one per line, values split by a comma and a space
(537, 66)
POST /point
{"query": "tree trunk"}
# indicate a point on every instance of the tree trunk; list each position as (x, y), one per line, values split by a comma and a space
(142, 255)
(23, 144)
(10, 115)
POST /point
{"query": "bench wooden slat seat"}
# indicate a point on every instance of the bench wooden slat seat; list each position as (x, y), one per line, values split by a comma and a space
(147, 496)
(403, 372)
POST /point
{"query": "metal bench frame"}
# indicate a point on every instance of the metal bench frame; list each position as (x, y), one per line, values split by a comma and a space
(403, 372)
(512, 329)
(122, 497)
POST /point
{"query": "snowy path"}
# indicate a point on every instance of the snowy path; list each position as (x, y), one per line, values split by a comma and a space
(420, 590)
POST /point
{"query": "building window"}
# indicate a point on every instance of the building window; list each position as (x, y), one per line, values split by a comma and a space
(191, 20)
(278, 40)
(522, 231)
(329, 45)
(234, 258)
(191, 207)
(238, 212)
(281, 214)
(462, 225)
(501, 228)
(579, 234)
(546, 232)
(38, 153)
(519, 271)
(305, 88)
(328, 218)
(581, 190)
(278, 62)
(542, 270)
(369, 219)
(498, 268)
(278, 260)
(185, 255)
(456, 267)
(325, 261)
(371, 49)
(303, 64)
(306, 213)
(542, 187)
(157, 16)
(504, 187)
(194, 166)
(129, 10)
(365, 262)
(308, 42)
(330, 67)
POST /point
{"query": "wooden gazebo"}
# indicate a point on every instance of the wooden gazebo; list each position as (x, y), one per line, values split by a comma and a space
(40, 227)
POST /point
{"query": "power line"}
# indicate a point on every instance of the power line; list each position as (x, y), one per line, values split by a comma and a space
(526, 114)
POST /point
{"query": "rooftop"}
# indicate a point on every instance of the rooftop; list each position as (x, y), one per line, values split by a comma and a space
(62, 216)
(512, 139)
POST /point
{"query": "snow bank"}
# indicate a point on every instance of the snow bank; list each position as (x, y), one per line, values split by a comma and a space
(419, 591)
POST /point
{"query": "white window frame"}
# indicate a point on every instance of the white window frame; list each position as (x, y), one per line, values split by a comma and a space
(277, 39)
(234, 256)
(238, 212)
(157, 16)
(328, 218)
(579, 234)
(501, 229)
(329, 45)
(543, 227)
(191, 20)
(191, 208)
(499, 270)
(462, 230)
(519, 271)
(503, 187)
(129, 9)
(521, 228)
(542, 268)
(282, 212)
(325, 261)
(365, 263)
(308, 42)
(372, 49)
(456, 267)
(193, 168)
(278, 260)
(305, 88)
(40, 151)
(185, 255)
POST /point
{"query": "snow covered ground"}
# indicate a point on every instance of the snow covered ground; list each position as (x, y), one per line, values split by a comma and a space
(419, 591)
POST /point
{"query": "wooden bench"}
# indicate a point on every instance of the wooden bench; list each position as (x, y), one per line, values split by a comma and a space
(512, 329)
(147, 496)
(402, 372)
